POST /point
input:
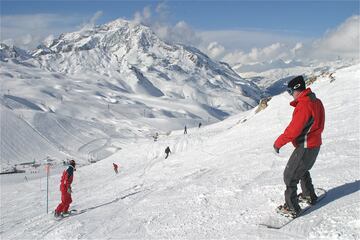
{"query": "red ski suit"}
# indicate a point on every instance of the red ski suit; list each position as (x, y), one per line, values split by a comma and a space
(65, 189)
(307, 122)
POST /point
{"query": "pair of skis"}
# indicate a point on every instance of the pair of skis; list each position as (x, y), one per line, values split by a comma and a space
(72, 212)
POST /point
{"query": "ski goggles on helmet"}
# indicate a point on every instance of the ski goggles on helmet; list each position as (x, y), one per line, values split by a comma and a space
(290, 91)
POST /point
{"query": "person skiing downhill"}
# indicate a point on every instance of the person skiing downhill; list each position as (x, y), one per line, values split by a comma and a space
(65, 189)
(304, 131)
(115, 168)
(167, 151)
(185, 130)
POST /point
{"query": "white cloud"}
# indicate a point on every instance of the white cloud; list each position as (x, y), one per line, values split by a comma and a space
(343, 41)
(143, 17)
(298, 47)
(238, 46)
(252, 46)
(181, 32)
(89, 24)
(29, 30)
(215, 50)
(248, 39)
(96, 16)
(268, 53)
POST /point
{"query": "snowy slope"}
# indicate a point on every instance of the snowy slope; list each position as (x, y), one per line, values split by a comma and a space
(219, 182)
(15, 137)
(56, 108)
(82, 118)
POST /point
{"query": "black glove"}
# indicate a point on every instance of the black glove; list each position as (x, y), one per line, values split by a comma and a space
(276, 149)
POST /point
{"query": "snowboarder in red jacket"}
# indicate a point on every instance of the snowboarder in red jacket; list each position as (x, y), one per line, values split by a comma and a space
(65, 189)
(304, 131)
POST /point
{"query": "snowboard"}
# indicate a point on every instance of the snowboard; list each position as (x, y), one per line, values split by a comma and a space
(277, 220)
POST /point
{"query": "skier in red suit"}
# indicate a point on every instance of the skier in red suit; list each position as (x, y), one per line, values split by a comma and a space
(65, 189)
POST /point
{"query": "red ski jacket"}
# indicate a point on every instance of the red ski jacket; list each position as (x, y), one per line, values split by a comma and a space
(307, 122)
(66, 179)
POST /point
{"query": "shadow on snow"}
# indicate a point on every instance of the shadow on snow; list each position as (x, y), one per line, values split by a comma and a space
(337, 193)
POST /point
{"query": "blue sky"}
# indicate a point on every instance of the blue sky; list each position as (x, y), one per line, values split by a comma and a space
(226, 30)
(310, 18)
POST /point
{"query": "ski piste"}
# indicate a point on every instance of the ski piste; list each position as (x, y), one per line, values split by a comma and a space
(278, 221)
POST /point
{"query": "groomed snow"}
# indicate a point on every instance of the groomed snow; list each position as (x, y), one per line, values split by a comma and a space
(220, 181)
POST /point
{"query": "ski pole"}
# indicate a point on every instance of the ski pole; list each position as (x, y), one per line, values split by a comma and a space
(47, 187)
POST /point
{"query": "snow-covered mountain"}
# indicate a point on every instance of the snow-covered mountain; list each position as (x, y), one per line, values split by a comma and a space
(12, 52)
(134, 59)
(272, 76)
(265, 66)
(120, 79)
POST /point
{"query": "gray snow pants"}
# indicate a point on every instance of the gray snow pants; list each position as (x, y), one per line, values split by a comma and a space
(297, 169)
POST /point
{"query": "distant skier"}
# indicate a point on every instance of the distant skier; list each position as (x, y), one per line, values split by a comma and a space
(65, 189)
(199, 125)
(167, 151)
(115, 168)
(304, 131)
(185, 130)
(156, 136)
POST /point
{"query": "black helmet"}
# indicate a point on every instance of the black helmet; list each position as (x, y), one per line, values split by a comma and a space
(296, 84)
(72, 162)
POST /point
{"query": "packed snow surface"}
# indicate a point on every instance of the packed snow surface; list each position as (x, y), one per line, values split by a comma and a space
(220, 181)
